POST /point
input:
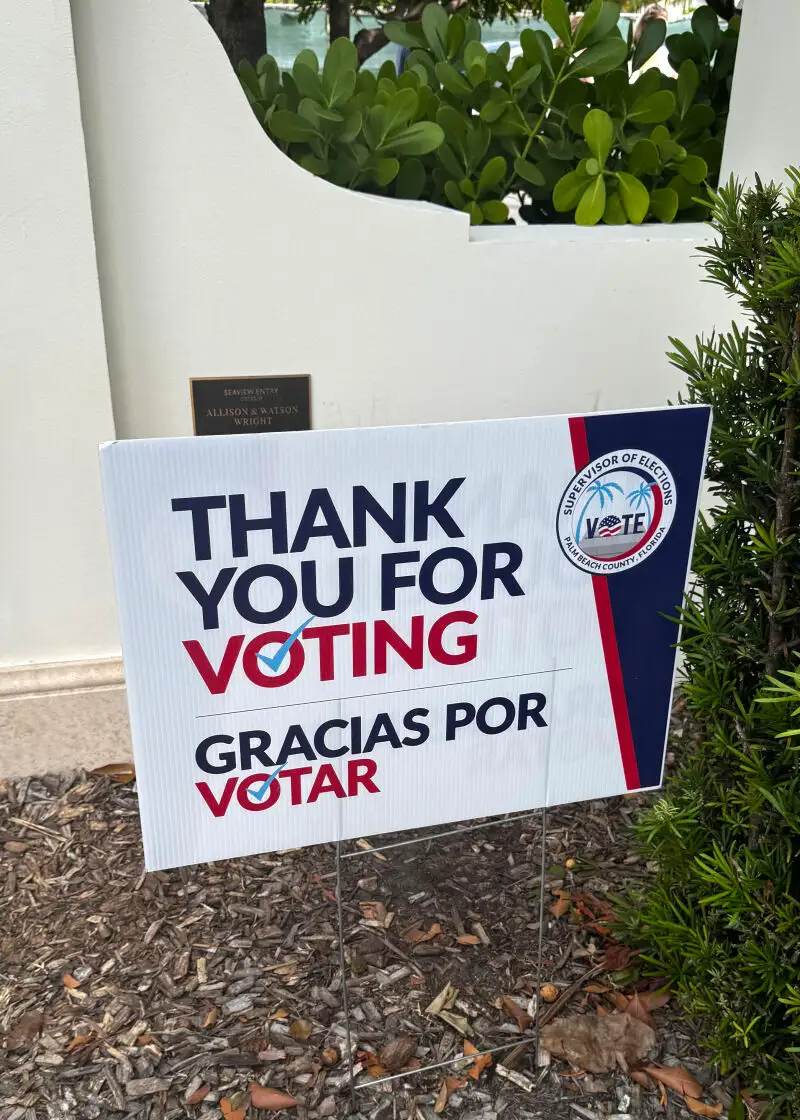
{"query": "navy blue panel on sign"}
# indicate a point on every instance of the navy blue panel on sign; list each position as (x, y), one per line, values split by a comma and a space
(645, 599)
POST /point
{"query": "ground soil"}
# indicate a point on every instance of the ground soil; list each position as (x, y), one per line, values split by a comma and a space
(125, 994)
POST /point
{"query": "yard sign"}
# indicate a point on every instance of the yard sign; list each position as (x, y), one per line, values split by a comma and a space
(334, 634)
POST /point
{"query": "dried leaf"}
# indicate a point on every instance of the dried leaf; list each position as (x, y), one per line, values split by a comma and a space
(523, 1018)
(619, 1000)
(592, 1042)
(651, 1001)
(415, 936)
(229, 1112)
(210, 1019)
(121, 772)
(281, 1013)
(637, 1008)
(70, 982)
(676, 1078)
(481, 1062)
(261, 1097)
(560, 908)
(372, 1062)
(618, 957)
(641, 1078)
(448, 1086)
(374, 912)
(329, 1056)
(597, 989)
(25, 1030)
(397, 1053)
(445, 998)
(78, 1040)
(441, 1098)
(701, 1109)
(468, 939)
(458, 1022)
(301, 1029)
(200, 1094)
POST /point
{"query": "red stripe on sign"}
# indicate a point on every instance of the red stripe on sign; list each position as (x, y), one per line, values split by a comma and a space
(608, 633)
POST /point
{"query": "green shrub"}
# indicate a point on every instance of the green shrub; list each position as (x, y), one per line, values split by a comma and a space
(722, 918)
(465, 127)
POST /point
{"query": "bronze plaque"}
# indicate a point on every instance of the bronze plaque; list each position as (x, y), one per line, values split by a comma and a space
(223, 406)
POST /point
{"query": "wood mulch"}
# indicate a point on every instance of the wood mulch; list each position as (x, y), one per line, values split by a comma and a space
(165, 995)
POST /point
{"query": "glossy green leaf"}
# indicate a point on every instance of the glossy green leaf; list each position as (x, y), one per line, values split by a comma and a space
(537, 46)
(614, 213)
(455, 124)
(291, 127)
(467, 188)
(350, 128)
(697, 118)
(452, 81)
(664, 204)
(405, 34)
(694, 169)
(308, 80)
(339, 71)
(568, 191)
(434, 24)
(525, 78)
(385, 170)
(598, 131)
(686, 85)
(475, 55)
(493, 110)
(477, 143)
(592, 203)
(249, 79)
(475, 214)
(635, 197)
(308, 58)
(416, 140)
(315, 165)
(454, 195)
(492, 173)
(705, 26)
(654, 108)
(529, 172)
(606, 22)
(575, 117)
(556, 14)
(643, 158)
(411, 180)
(653, 36)
(600, 58)
(495, 212)
(400, 109)
(587, 22)
(450, 161)
(456, 34)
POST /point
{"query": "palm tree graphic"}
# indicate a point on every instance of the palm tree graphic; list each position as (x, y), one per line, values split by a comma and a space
(597, 490)
(642, 496)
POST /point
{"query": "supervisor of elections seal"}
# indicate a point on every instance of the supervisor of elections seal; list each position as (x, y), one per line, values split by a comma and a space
(616, 511)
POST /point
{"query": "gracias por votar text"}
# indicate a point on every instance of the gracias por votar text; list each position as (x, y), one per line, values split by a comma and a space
(265, 593)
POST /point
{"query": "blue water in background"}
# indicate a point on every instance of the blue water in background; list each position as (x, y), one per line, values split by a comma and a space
(286, 36)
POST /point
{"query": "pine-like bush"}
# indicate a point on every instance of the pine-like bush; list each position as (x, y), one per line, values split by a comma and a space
(722, 918)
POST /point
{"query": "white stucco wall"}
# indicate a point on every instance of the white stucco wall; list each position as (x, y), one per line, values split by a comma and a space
(764, 134)
(218, 256)
(56, 599)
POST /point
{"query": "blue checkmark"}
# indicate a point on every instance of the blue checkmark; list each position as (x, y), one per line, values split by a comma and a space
(259, 793)
(274, 662)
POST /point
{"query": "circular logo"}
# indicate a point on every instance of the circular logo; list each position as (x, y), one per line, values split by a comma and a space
(616, 511)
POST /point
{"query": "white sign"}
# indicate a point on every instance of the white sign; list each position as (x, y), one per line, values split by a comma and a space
(334, 634)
